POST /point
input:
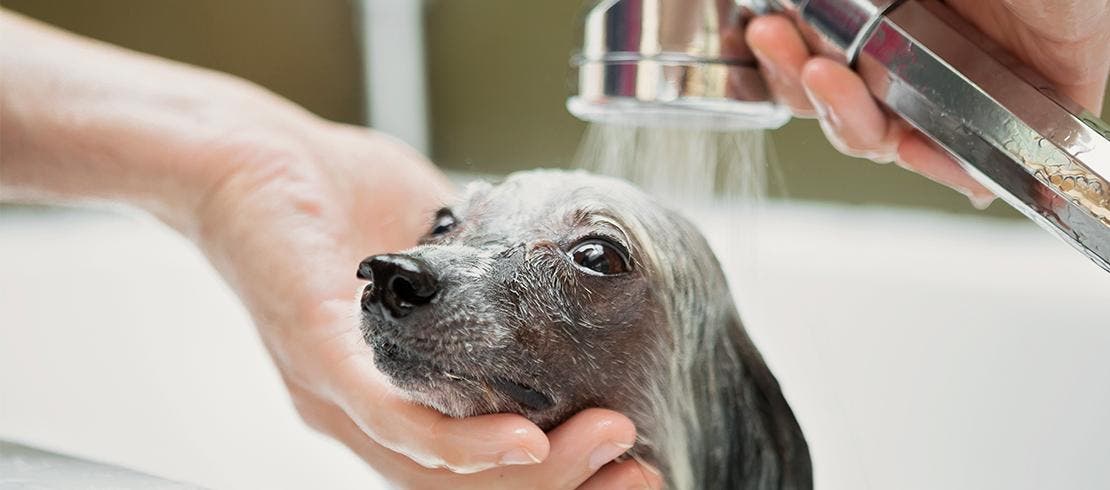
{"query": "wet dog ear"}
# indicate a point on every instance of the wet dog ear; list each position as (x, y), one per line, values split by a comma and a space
(760, 424)
(750, 434)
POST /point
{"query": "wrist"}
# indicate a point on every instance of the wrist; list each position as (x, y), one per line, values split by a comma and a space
(86, 121)
(234, 132)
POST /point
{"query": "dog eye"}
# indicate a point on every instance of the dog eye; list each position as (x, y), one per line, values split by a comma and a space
(445, 222)
(600, 256)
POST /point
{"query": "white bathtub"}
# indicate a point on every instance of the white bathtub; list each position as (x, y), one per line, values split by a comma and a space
(919, 350)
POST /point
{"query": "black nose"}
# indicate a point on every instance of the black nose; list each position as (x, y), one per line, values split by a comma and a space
(400, 283)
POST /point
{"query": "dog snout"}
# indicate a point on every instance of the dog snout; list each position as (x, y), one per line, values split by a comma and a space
(400, 283)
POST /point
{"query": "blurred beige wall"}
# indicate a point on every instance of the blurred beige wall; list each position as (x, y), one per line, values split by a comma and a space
(497, 78)
(307, 51)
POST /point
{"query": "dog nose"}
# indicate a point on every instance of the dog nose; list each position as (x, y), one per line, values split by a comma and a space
(401, 283)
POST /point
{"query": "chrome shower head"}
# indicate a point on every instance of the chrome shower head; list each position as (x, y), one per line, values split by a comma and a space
(657, 63)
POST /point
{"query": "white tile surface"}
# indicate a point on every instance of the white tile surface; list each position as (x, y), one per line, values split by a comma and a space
(920, 351)
(119, 343)
(927, 351)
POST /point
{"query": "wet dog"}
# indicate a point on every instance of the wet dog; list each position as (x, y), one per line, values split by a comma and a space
(558, 291)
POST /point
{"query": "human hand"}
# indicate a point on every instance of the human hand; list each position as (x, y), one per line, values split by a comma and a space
(1067, 42)
(288, 227)
(285, 205)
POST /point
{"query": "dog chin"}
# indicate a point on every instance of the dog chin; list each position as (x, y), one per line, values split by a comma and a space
(448, 395)
(445, 399)
(427, 373)
(425, 383)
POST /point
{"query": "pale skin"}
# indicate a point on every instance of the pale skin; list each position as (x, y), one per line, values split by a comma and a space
(285, 204)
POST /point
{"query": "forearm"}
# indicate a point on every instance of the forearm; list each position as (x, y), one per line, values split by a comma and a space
(82, 120)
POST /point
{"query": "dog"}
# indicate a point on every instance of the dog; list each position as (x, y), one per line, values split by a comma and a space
(557, 291)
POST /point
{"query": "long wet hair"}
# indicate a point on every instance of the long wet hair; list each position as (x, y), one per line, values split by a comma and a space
(715, 416)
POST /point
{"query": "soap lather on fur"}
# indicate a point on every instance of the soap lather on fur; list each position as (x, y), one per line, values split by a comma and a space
(556, 291)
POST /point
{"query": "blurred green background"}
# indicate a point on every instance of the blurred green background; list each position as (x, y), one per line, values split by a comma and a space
(497, 80)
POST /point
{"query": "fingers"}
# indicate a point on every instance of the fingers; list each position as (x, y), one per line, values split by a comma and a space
(431, 439)
(398, 469)
(579, 447)
(855, 124)
(781, 53)
(918, 154)
(849, 115)
(629, 474)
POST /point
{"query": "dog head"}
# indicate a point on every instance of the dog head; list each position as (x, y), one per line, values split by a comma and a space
(544, 295)
(558, 291)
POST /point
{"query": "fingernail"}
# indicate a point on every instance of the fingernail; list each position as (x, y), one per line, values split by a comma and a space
(981, 201)
(519, 456)
(978, 199)
(758, 52)
(764, 62)
(819, 104)
(823, 109)
(606, 453)
(830, 124)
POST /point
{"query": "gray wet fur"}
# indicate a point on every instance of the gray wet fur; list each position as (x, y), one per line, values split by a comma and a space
(663, 343)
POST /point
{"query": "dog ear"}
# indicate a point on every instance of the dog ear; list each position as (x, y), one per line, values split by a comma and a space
(748, 431)
(744, 403)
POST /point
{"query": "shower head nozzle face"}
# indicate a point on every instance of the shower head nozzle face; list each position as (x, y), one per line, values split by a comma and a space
(691, 113)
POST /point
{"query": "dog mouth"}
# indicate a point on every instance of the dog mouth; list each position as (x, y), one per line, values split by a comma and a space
(411, 368)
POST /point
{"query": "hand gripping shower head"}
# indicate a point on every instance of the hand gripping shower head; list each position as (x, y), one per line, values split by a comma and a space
(683, 63)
